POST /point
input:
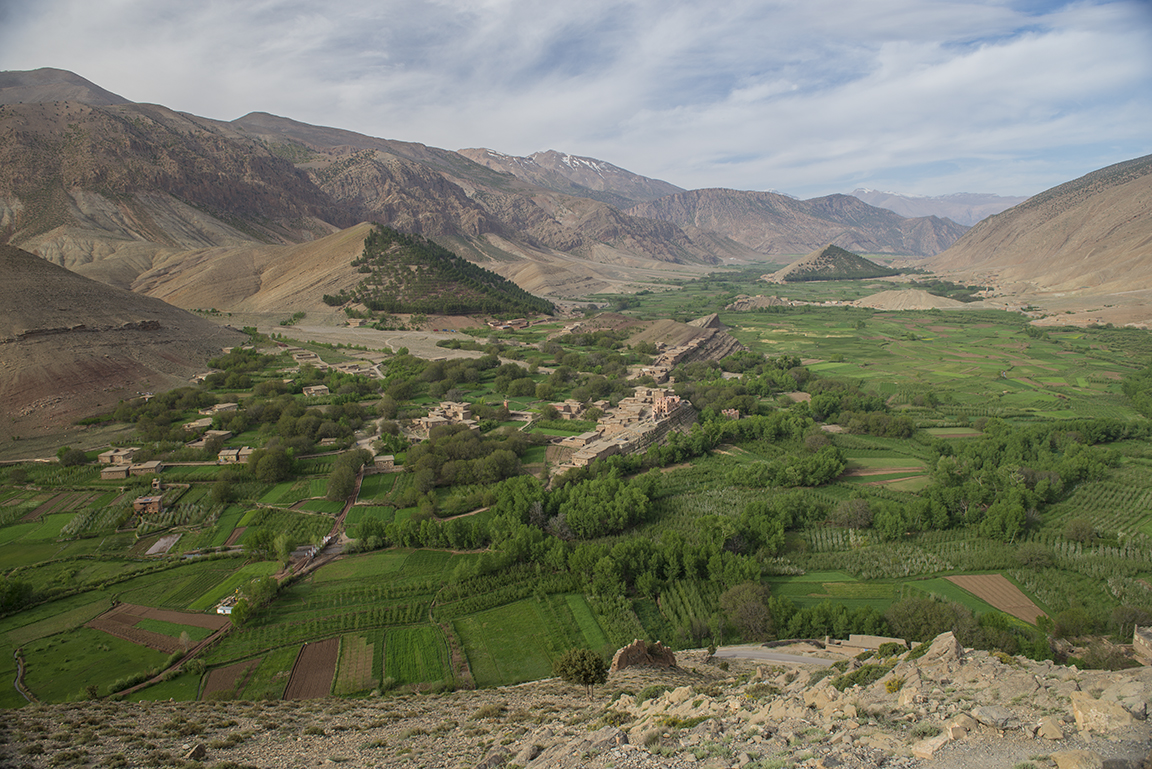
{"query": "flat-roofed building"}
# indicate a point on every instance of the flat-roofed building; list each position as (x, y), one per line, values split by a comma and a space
(234, 456)
(150, 505)
(118, 456)
(114, 472)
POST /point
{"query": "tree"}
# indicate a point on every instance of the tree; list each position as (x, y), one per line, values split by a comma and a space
(746, 606)
(261, 544)
(582, 667)
(1079, 530)
(341, 483)
(920, 618)
(223, 491)
(240, 612)
(70, 457)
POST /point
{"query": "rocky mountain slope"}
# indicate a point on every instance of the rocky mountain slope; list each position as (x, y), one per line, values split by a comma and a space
(575, 175)
(1091, 236)
(965, 208)
(92, 179)
(951, 709)
(47, 84)
(71, 347)
(770, 223)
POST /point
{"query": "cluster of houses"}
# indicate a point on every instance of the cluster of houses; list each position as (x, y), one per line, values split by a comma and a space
(309, 358)
(119, 464)
(574, 409)
(448, 413)
(505, 325)
(637, 422)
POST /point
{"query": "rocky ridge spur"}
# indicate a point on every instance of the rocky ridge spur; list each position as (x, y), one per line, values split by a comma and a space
(948, 708)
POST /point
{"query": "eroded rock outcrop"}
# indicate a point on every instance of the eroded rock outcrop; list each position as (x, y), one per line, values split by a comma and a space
(641, 653)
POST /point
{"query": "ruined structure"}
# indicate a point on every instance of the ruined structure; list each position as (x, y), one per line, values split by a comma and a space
(643, 654)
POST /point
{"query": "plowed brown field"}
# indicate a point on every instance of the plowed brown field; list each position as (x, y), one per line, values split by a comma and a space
(1001, 593)
(120, 622)
(230, 679)
(312, 674)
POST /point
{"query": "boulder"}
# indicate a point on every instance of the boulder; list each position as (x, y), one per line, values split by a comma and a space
(1099, 715)
(572, 755)
(495, 757)
(965, 720)
(927, 748)
(1077, 759)
(642, 654)
(944, 648)
(1133, 695)
(993, 715)
(1049, 728)
(606, 737)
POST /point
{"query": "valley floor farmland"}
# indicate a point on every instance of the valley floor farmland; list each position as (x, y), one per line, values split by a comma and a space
(878, 455)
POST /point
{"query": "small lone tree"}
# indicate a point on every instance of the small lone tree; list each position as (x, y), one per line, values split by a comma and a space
(582, 667)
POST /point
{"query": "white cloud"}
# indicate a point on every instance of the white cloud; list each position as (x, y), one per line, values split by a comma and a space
(809, 97)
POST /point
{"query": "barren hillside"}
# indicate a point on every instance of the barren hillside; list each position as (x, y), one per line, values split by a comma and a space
(770, 223)
(70, 347)
(1091, 237)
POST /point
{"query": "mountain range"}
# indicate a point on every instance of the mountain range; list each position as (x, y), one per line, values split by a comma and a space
(123, 192)
(270, 212)
(964, 208)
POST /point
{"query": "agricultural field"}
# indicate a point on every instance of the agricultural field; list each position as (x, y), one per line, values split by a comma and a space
(313, 671)
(519, 641)
(965, 459)
(416, 655)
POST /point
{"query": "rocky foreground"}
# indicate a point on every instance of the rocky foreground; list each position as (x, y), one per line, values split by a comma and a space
(949, 708)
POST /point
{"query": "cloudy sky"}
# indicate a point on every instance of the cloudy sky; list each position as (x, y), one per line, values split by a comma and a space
(807, 97)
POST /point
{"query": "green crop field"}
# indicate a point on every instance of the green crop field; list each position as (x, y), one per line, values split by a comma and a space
(519, 641)
(219, 584)
(174, 630)
(183, 687)
(57, 664)
(945, 589)
(416, 655)
(378, 486)
(270, 678)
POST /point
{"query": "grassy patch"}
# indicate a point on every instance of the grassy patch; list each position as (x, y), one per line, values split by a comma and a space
(174, 630)
(416, 655)
(61, 665)
(212, 595)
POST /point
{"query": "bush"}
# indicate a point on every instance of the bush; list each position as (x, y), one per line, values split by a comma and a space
(651, 692)
(862, 676)
(890, 649)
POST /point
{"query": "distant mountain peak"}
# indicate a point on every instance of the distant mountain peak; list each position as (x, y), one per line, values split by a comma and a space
(575, 175)
(47, 84)
(965, 208)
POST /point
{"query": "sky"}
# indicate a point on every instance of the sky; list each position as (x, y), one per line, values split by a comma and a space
(806, 97)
